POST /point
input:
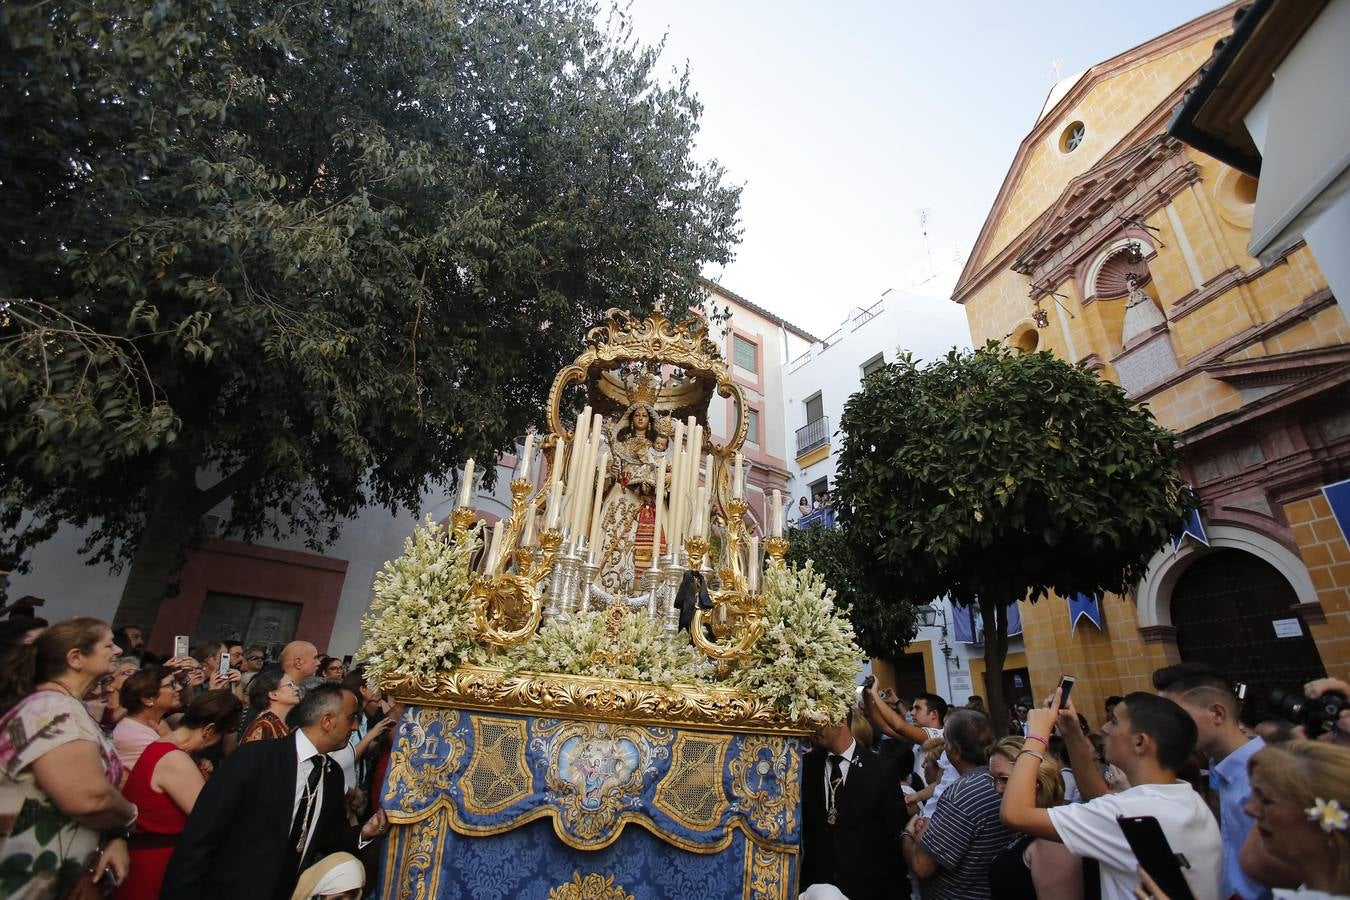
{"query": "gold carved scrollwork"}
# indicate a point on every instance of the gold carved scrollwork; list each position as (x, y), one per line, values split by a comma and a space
(594, 699)
(766, 873)
(593, 887)
(766, 785)
(413, 860)
(691, 793)
(498, 774)
(736, 619)
(412, 773)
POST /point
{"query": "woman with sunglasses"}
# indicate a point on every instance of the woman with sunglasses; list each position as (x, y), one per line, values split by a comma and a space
(275, 693)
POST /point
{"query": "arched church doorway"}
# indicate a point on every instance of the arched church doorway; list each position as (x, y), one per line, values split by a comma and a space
(1231, 611)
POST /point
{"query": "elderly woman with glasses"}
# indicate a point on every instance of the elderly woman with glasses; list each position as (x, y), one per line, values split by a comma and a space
(276, 694)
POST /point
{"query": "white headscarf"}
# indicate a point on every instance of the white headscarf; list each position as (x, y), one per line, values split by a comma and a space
(336, 873)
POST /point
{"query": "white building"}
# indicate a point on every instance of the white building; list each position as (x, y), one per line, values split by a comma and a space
(818, 383)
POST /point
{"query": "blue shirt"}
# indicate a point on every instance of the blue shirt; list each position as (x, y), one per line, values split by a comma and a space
(1228, 776)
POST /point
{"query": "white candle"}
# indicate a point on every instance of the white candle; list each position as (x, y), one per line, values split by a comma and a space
(554, 502)
(698, 523)
(530, 515)
(754, 563)
(660, 509)
(494, 547)
(578, 449)
(585, 472)
(777, 513)
(677, 475)
(738, 491)
(523, 470)
(596, 538)
(555, 474)
(466, 482)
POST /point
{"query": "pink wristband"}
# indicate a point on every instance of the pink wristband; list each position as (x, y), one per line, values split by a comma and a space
(1037, 737)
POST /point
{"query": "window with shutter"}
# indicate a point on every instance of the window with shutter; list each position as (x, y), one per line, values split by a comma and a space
(745, 354)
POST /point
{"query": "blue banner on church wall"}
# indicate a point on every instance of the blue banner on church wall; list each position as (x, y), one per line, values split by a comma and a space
(501, 805)
(1338, 498)
(969, 628)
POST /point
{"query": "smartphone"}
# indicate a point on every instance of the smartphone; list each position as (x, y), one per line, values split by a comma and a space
(180, 645)
(224, 663)
(1145, 837)
(1065, 686)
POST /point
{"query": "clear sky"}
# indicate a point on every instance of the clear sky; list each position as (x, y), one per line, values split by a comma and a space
(843, 120)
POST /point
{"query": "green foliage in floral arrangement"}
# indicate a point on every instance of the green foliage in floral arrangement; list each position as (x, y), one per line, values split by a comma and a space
(421, 621)
(807, 660)
(637, 648)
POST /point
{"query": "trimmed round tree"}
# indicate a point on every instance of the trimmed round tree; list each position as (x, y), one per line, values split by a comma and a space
(993, 476)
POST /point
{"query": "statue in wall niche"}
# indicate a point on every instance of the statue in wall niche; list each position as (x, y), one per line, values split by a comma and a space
(1142, 315)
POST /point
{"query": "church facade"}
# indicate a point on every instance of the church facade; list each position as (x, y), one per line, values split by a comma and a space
(1112, 244)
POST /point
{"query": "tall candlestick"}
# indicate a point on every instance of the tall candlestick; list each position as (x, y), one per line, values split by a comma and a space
(579, 439)
(738, 488)
(523, 470)
(466, 482)
(754, 563)
(596, 538)
(586, 472)
(699, 523)
(777, 514)
(660, 510)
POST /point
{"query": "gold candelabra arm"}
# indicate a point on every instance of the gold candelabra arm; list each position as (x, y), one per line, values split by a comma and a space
(733, 639)
(507, 609)
(697, 548)
(776, 547)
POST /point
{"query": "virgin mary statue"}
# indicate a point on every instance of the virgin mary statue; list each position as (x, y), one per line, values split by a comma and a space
(637, 442)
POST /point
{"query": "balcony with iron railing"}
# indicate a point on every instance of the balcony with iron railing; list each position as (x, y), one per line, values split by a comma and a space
(812, 435)
(824, 517)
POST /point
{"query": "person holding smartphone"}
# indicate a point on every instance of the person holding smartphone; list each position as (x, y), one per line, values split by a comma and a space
(1150, 742)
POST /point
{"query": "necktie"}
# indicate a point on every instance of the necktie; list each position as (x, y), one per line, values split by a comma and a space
(836, 779)
(304, 813)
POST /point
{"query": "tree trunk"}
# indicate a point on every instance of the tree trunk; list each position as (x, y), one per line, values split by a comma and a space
(170, 527)
(994, 616)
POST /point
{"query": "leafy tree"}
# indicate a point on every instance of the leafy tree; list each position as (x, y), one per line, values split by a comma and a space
(306, 258)
(994, 476)
(882, 623)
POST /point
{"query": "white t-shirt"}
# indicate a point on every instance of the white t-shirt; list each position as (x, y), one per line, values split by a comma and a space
(1090, 830)
(949, 773)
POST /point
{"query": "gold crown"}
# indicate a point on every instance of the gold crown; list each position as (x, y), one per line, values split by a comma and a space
(644, 392)
(665, 426)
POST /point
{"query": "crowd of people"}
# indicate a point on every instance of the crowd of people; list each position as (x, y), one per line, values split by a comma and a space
(922, 799)
(218, 773)
(222, 773)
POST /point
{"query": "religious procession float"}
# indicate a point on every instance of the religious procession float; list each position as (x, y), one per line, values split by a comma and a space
(606, 692)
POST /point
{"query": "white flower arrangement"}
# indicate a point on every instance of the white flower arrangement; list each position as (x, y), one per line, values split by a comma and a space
(421, 624)
(420, 621)
(599, 644)
(806, 661)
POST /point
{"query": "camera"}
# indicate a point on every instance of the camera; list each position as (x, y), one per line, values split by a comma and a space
(1316, 716)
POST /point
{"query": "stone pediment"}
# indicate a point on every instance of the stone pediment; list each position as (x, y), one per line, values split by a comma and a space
(1281, 369)
(1096, 204)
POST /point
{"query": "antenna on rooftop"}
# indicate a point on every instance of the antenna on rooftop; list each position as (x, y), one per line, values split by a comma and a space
(923, 229)
(1055, 65)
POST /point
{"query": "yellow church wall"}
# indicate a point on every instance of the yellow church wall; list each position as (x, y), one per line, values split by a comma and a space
(1327, 557)
(1109, 111)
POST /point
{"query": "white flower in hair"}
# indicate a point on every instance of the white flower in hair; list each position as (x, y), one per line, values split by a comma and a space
(1328, 815)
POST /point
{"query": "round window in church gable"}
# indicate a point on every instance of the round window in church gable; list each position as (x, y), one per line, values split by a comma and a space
(1072, 137)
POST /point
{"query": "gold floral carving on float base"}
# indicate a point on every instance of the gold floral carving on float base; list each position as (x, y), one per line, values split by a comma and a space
(497, 775)
(766, 873)
(420, 849)
(761, 760)
(593, 887)
(593, 699)
(422, 783)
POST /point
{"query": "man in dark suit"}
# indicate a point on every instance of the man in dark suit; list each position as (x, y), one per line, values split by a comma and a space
(271, 809)
(853, 814)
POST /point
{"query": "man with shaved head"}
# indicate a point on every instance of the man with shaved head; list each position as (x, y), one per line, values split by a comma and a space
(300, 660)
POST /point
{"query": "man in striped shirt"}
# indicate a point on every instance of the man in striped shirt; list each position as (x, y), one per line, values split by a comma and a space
(951, 852)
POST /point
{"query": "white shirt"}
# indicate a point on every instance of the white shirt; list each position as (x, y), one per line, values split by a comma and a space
(1090, 830)
(949, 773)
(843, 765)
(304, 749)
(345, 758)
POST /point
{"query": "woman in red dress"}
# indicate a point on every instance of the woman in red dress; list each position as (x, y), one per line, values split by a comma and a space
(164, 786)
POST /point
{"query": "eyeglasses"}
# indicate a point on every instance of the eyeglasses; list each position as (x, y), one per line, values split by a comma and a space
(255, 659)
